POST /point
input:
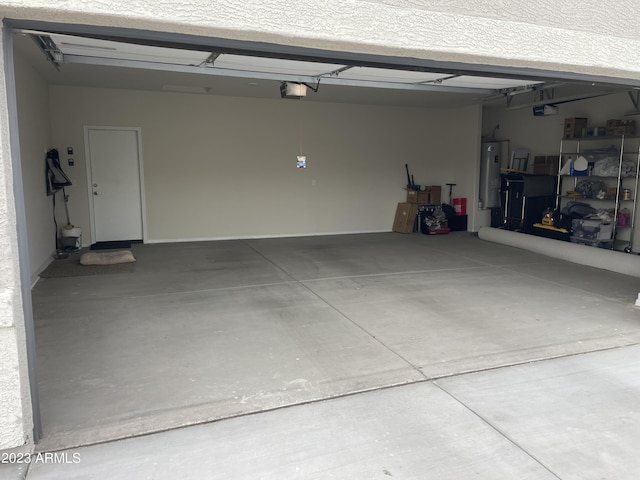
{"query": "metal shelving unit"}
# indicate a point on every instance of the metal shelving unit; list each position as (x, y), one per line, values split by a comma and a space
(628, 149)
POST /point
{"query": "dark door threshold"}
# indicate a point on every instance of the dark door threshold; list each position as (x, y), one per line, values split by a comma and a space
(113, 244)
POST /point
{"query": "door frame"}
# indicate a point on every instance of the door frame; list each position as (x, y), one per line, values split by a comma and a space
(87, 156)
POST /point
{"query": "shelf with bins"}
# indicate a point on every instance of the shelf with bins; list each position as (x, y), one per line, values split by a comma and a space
(613, 167)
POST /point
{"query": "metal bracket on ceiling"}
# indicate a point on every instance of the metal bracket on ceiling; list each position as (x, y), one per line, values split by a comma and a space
(438, 81)
(337, 72)
(547, 95)
(558, 101)
(210, 60)
(509, 93)
(49, 48)
(550, 93)
(635, 99)
(544, 93)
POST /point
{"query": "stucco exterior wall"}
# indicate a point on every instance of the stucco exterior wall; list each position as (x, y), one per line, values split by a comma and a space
(585, 36)
(593, 37)
(15, 403)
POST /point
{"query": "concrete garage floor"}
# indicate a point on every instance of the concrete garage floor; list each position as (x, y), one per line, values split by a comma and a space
(387, 323)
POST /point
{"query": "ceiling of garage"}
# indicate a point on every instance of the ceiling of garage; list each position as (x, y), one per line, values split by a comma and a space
(82, 61)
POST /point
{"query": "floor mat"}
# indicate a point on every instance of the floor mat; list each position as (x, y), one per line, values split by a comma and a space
(71, 267)
(111, 245)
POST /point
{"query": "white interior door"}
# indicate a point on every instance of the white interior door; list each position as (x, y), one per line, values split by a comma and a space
(115, 189)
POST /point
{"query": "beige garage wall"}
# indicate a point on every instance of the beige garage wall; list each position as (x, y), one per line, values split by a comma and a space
(35, 138)
(225, 167)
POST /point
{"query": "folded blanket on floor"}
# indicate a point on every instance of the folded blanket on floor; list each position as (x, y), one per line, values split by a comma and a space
(107, 258)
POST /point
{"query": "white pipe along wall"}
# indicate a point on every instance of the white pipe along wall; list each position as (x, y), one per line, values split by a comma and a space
(627, 264)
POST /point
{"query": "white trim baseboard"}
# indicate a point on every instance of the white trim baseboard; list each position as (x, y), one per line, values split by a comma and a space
(35, 276)
(256, 237)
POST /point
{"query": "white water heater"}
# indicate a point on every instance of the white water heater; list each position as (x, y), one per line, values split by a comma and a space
(490, 162)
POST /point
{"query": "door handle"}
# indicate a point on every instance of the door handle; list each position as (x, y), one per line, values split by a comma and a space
(95, 193)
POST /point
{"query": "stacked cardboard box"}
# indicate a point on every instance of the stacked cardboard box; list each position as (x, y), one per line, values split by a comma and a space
(545, 165)
(429, 196)
(617, 128)
(574, 127)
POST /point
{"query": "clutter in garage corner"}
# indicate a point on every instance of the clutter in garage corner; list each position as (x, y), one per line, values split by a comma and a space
(597, 205)
(69, 237)
(590, 192)
(424, 211)
(581, 223)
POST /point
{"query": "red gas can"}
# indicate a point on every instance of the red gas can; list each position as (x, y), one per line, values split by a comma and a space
(460, 206)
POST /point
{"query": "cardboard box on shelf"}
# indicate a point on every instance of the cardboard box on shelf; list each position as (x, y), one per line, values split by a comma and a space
(405, 218)
(430, 195)
(574, 127)
(618, 128)
(546, 165)
(553, 160)
(619, 131)
(624, 130)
